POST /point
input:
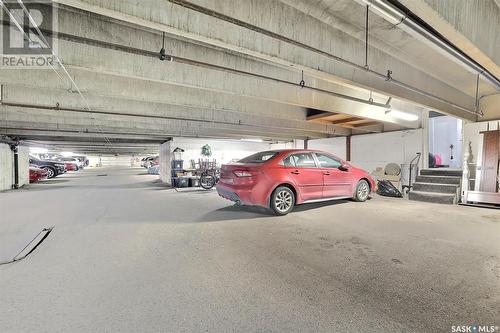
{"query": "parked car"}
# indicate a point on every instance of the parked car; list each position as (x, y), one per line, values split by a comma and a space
(72, 160)
(83, 161)
(71, 166)
(37, 174)
(148, 162)
(53, 168)
(281, 179)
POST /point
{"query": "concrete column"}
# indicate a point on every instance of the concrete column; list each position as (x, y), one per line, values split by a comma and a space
(348, 148)
(298, 144)
(6, 167)
(166, 162)
(24, 165)
(424, 164)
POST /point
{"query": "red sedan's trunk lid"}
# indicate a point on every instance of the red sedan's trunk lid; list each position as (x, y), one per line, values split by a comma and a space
(239, 173)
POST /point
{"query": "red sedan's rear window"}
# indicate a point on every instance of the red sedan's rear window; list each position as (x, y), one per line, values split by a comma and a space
(259, 157)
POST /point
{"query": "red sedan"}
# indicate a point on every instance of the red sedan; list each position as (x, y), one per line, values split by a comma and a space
(37, 174)
(70, 166)
(280, 179)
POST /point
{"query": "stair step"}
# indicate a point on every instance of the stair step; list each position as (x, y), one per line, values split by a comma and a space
(441, 172)
(435, 187)
(439, 179)
(433, 197)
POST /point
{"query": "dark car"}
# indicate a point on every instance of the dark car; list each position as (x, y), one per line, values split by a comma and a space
(148, 162)
(53, 168)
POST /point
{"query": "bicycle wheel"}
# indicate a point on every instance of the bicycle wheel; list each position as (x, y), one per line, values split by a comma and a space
(207, 181)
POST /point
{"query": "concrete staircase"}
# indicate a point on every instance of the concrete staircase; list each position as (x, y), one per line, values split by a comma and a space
(437, 186)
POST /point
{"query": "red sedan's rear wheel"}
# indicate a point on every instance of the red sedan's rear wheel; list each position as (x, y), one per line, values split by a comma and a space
(362, 191)
(282, 200)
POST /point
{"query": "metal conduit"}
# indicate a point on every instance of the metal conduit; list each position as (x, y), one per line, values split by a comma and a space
(240, 23)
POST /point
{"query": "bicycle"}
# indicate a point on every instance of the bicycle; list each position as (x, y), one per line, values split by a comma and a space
(209, 178)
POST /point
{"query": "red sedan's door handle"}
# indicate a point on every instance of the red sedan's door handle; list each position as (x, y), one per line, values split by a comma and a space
(327, 173)
(296, 172)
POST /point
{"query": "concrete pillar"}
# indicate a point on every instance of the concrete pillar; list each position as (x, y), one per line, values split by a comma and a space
(348, 148)
(424, 164)
(6, 167)
(298, 144)
(24, 165)
(166, 162)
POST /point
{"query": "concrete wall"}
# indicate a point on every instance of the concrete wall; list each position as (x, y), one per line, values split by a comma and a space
(336, 146)
(294, 144)
(121, 160)
(94, 161)
(370, 151)
(377, 150)
(6, 167)
(223, 151)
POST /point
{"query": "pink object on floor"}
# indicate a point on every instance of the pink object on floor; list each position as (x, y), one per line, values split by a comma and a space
(439, 161)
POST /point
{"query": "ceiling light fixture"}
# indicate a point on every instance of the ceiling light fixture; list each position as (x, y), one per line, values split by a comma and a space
(252, 140)
(37, 150)
(402, 115)
(399, 114)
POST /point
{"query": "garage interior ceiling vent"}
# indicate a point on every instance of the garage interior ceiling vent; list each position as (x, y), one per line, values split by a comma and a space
(285, 39)
(409, 25)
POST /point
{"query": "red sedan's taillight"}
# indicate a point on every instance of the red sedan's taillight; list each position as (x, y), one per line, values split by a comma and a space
(245, 173)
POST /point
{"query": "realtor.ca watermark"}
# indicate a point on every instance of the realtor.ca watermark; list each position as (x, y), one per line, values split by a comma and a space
(27, 34)
(474, 328)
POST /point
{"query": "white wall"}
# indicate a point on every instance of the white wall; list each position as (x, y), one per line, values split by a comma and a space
(94, 161)
(222, 150)
(6, 167)
(443, 132)
(370, 151)
(295, 144)
(98, 161)
(336, 146)
(121, 160)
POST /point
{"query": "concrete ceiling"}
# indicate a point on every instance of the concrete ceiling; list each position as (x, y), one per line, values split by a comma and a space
(235, 73)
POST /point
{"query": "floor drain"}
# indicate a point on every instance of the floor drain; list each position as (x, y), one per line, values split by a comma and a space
(103, 175)
(28, 249)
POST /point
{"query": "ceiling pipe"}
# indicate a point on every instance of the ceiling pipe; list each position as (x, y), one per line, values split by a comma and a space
(388, 78)
(414, 28)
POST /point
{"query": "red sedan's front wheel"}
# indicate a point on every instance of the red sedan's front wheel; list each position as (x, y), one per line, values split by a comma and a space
(282, 200)
(362, 191)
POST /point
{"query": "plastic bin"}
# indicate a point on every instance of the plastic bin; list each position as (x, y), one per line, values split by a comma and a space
(194, 182)
(181, 182)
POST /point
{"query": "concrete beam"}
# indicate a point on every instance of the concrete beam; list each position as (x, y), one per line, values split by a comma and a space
(56, 120)
(223, 34)
(58, 99)
(472, 26)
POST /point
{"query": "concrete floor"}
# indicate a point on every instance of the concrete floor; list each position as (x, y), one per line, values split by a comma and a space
(129, 255)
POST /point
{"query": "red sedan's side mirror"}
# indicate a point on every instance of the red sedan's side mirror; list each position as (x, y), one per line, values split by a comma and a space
(344, 167)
